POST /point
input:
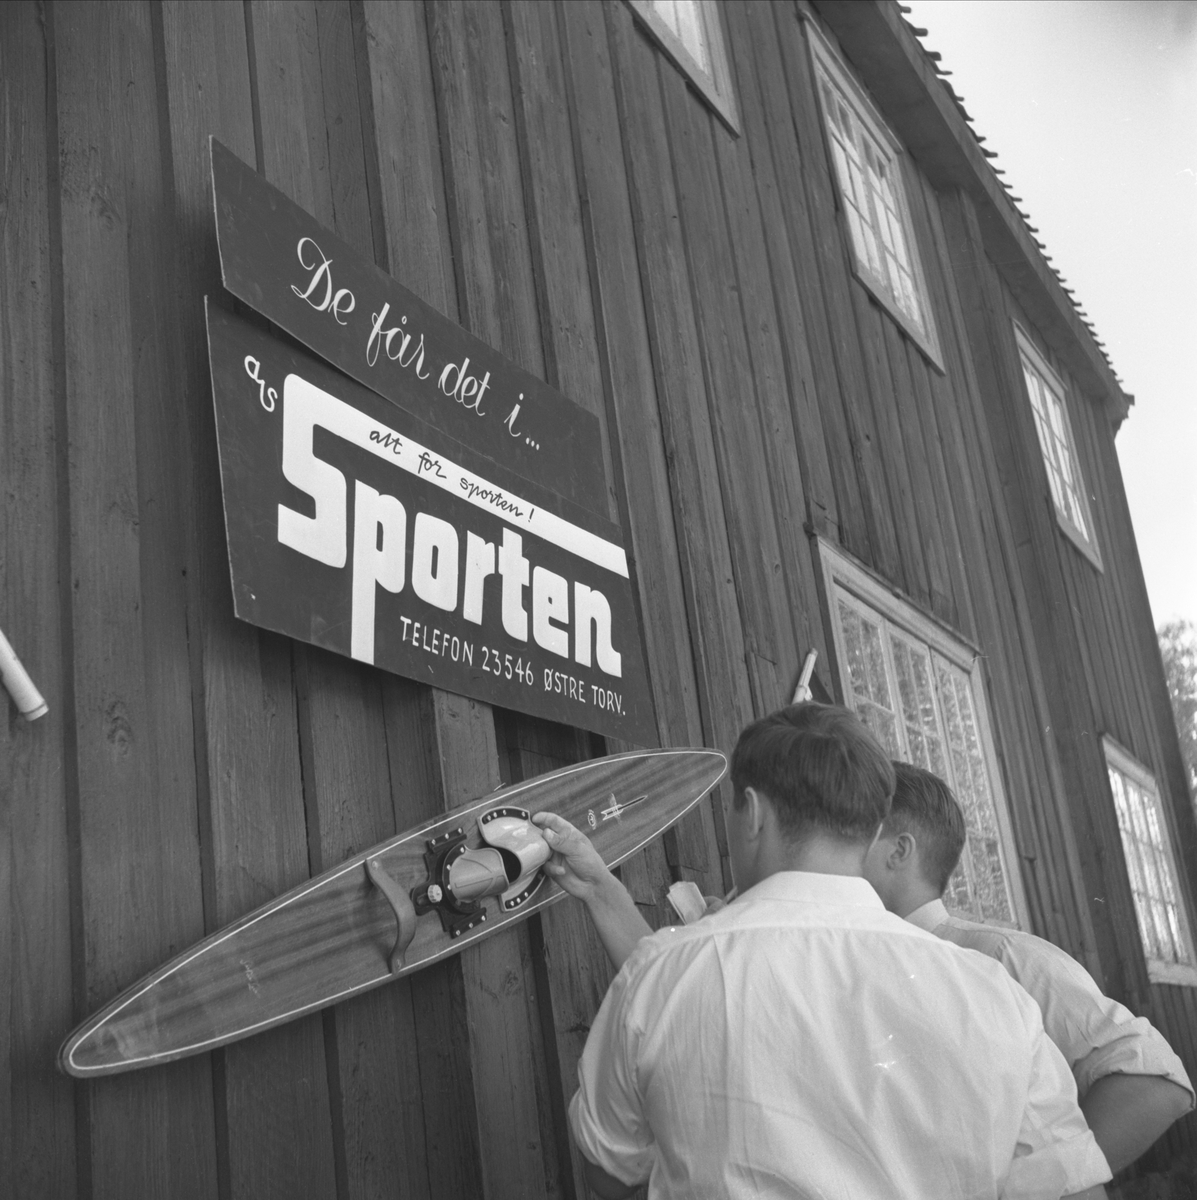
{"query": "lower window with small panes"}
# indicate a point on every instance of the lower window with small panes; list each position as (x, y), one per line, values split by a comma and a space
(918, 687)
(1151, 868)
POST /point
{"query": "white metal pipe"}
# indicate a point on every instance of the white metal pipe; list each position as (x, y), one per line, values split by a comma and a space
(26, 697)
(802, 692)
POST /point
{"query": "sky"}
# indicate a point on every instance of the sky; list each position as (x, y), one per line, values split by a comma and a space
(1091, 106)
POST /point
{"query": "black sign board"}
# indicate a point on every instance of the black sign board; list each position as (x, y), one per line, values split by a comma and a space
(356, 526)
(287, 266)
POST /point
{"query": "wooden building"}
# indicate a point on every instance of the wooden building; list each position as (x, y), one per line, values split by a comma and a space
(845, 403)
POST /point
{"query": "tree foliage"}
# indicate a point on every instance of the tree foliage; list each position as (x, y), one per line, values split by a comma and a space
(1178, 648)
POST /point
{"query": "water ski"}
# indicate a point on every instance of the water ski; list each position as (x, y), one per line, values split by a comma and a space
(387, 912)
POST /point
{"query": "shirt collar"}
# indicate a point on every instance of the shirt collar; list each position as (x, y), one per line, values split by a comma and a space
(929, 916)
(810, 887)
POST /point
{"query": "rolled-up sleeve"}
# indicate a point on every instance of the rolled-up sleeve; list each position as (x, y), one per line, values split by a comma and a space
(1136, 1048)
(1056, 1153)
(1098, 1035)
(607, 1113)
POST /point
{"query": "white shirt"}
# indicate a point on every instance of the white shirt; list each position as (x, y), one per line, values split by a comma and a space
(1097, 1035)
(803, 1042)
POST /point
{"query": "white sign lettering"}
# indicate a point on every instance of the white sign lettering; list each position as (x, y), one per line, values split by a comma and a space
(438, 577)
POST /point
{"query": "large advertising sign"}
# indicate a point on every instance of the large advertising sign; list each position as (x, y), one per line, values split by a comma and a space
(284, 264)
(375, 524)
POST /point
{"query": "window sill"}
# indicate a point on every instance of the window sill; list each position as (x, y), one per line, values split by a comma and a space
(929, 346)
(1176, 974)
(1086, 547)
(714, 86)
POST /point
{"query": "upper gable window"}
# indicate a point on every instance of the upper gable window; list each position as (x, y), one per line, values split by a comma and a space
(1045, 390)
(691, 33)
(919, 689)
(872, 194)
(1163, 925)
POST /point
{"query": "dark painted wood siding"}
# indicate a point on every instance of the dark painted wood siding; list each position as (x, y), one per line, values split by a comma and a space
(1095, 638)
(542, 174)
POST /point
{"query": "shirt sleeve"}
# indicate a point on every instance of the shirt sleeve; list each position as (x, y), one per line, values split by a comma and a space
(1097, 1035)
(607, 1112)
(1056, 1154)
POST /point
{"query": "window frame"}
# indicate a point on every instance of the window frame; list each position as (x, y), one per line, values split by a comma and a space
(826, 59)
(1118, 758)
(839, 572)
(1029, 354)
(715, 86)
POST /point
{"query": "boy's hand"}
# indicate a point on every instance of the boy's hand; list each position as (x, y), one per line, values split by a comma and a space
(576, 865)
(579, 868)
(715, 903)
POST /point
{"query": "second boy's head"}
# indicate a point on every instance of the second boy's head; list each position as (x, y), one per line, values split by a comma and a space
(920, 842)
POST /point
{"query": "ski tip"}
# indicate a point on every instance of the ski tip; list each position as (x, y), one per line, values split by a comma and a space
(95, 1049)
(91, 1052)
(80, 1056)
(66, 1053)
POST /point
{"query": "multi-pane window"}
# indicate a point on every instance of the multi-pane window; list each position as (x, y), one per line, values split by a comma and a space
(919, 690)
(1046, 392)
(868, 171)
(1163, 924)
(690, 32)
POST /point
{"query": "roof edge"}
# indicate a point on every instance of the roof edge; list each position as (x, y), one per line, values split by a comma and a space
(928, 117)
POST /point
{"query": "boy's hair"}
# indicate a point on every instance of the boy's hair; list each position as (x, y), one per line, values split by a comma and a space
(821, 768)
(925, 807)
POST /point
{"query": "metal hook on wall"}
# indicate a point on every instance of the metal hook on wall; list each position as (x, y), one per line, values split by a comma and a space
(25, 695)
(802, 691)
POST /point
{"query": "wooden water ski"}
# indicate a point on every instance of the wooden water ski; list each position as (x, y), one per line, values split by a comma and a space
(387, 912)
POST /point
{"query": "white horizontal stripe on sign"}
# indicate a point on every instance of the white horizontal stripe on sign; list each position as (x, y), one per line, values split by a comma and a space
(345, 421)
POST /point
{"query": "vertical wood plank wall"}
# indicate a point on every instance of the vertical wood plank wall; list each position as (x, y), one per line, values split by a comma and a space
(1101, 661)
(542, 174)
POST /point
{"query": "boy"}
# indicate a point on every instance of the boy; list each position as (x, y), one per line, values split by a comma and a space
(803, 1041)
(1132, 1086)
